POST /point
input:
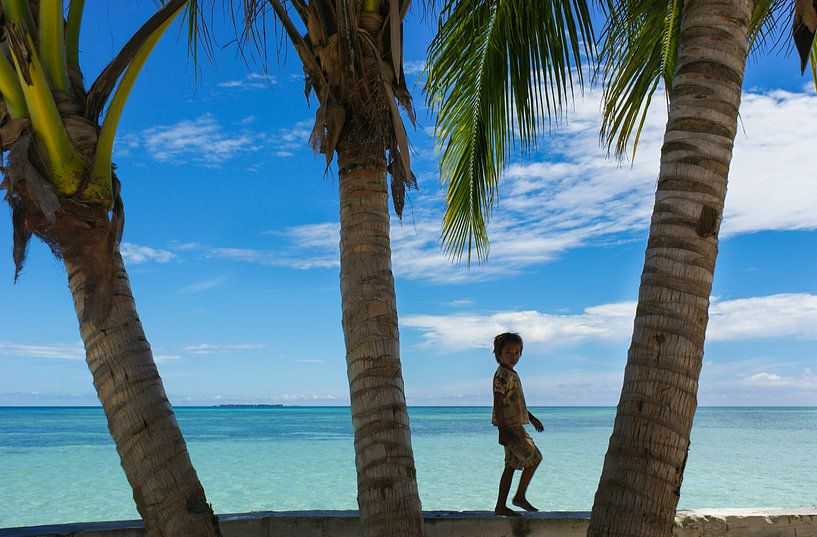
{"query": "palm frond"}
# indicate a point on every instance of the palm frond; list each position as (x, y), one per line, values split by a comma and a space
(52, 45)
(495, 67)
(64, 162)
(765, 28)
(105, 83)
(640, 45)
(72, 26)
(803, 29)
(11, 90)
(102, 170)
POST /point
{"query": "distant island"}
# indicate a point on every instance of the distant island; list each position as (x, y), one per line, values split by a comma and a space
(250, 405)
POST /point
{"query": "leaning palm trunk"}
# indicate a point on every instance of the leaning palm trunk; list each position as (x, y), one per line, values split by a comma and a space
(387, 487)
(643, 469)
(168, 494)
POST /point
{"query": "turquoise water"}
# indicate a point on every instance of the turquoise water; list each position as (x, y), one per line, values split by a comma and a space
(60, 465)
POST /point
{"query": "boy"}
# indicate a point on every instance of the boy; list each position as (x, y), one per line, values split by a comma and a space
(510, 414)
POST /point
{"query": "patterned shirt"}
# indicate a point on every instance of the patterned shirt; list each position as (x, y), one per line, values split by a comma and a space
(514, 409)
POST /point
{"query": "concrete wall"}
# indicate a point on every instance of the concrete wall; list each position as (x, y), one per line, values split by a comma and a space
(800, 522)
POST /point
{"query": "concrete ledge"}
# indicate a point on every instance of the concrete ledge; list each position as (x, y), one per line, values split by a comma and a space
(800, 522)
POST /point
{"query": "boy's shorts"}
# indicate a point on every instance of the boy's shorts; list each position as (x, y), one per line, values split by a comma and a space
(520, 451)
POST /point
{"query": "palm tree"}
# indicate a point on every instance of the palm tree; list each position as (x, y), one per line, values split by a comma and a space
(352, 60)
(699, 49)
(60, 184)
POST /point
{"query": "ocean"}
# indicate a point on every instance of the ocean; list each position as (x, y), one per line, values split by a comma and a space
(59, 464)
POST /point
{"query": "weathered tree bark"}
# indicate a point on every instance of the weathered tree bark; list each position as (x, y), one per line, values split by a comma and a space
(643, 469)
(387, 485)
(153, 453)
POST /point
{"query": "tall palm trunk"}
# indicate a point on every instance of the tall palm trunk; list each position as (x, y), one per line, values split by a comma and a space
(387, 485)
(153, 453)
(643, 469)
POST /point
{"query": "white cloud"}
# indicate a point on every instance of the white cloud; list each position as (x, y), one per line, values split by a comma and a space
(60, 351)
(470, 331)
(414, 67)
(135, 254)
(162, 358)
(462, 302)
(313, 398)
(783, 315)
(296, 138)
(769, 187)
(766, 381)
(210, 348)
(250, 82)
(775, 316)
(580, 198)
(204, 285)
(203, 140)
(763, 379)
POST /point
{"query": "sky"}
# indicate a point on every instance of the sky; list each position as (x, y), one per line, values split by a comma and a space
(231, 243)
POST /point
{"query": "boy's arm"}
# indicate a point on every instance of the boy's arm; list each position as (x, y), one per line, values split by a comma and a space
(500, 417)
(535, 422)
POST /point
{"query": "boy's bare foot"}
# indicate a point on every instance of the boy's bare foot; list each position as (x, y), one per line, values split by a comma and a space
(504, 511)
(524, 504)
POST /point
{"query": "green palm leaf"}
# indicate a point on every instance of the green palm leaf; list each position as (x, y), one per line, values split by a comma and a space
(497, 71)
(640, 44)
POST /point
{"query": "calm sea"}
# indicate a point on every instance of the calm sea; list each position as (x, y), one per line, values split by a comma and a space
(60, 465)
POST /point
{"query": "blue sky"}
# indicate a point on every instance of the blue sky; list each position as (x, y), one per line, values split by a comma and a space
(232, 230)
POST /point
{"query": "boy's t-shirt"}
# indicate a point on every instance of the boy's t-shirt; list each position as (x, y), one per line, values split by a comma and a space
(507, 382)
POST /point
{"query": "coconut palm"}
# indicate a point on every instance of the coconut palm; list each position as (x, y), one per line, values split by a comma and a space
(60, 184)
(698, 48)
(352, 60)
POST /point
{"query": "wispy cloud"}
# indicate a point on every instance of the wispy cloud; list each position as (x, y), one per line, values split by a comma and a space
(135, 254)
(769, 317)
(252, 81)
(163, 358)
(757, 381)
(461, 303)
(203, 140)
(210, 348)
(785, 315)
(578, 197)
(204, 285)
(414, 67)
(60, 351)
(287, 142)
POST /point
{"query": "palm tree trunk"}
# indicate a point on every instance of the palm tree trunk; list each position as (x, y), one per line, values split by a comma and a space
(387, 485)
(153, 453)
(643, 469)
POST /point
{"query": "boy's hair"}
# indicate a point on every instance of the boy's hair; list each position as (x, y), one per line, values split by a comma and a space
(503, 339)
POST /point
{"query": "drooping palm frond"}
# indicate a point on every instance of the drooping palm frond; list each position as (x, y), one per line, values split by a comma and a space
(765, 26)
(102, 168)
(638, 52)
(106, 81)
(639, 47)
(498, 71)
(803, 29)
(352, 59)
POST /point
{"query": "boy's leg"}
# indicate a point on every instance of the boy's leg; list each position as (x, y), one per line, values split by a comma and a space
(519, 499)
(505, 488)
